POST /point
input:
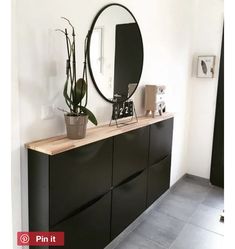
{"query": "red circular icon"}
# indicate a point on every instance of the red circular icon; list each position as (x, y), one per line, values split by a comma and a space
(24, 238)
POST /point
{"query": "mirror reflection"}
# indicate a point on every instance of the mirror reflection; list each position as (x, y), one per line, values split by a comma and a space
(115, 53)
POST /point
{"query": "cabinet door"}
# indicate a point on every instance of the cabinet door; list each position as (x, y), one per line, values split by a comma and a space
(128, 202)
(130, 154)
(160, 140)
(89, 229)
(38, 191)
(78, 176)
(158, 179)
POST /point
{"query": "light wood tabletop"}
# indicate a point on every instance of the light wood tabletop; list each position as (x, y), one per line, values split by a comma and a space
(59, 144)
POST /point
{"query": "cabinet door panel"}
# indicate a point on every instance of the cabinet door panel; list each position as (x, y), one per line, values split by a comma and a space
(88, 229)
(38, 192)
(160, 140)
(130, 153)
(158, 179)
(78, 176)
(128, 202)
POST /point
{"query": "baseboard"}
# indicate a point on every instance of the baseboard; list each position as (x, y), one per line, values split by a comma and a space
(198, 179)
(178, 181)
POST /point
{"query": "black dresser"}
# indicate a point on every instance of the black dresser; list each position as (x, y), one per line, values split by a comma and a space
(95, 191)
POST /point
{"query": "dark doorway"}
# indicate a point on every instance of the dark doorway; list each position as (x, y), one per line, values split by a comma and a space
(217, 162)
(128, 58)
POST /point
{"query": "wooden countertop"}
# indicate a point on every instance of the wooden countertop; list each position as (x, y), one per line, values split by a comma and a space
(59, 144)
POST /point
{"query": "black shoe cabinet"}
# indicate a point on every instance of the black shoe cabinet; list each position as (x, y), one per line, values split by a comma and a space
(94, 192)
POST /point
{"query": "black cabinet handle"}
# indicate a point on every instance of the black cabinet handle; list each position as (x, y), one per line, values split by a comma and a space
(82, 208)
(130, 178)
(162, 160)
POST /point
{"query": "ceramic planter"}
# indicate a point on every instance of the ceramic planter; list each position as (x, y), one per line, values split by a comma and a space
(76, 126)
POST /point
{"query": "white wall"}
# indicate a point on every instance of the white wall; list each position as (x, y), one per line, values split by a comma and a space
(15, 135)
(207, 35)
(5, 110)
(171, 36)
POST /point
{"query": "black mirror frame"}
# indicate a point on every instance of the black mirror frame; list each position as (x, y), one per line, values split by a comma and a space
(88, 49)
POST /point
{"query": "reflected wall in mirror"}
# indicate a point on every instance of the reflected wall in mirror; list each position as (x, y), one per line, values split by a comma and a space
(115, 53)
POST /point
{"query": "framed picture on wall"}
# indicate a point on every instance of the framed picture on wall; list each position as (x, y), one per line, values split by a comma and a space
(206, 66)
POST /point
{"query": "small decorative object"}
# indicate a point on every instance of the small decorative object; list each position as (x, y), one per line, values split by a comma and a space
(75, 91)
(154, 100)
(222, 217)
(122, 111)
(206, 66)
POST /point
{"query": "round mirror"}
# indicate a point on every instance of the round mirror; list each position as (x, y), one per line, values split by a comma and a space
(115, 53)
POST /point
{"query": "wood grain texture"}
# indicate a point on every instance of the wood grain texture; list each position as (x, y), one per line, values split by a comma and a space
(59, 144)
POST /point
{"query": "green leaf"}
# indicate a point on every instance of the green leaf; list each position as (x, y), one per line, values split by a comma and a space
(80, 90)
(91, 116)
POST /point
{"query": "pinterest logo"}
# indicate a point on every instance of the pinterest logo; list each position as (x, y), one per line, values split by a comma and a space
(24, 238)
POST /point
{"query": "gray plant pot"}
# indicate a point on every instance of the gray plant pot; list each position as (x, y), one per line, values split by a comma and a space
(76, 126)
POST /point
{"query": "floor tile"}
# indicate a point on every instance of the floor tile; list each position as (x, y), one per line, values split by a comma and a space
(160, 228)
(191, 190)
(208, 218)
(215, 198)
(186, 218)
(177, 206)
(193, 237)
(136, 241)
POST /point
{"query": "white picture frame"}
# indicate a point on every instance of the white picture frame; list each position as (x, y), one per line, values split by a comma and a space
(206, 66)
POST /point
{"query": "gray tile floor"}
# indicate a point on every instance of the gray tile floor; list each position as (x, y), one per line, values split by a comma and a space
(186, 217)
